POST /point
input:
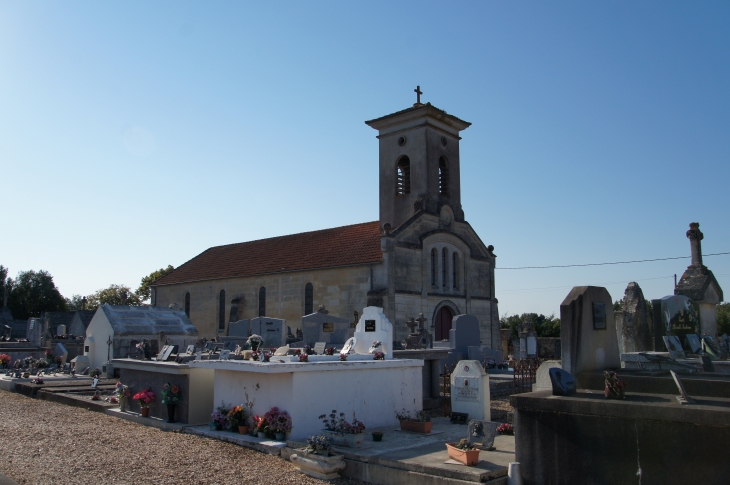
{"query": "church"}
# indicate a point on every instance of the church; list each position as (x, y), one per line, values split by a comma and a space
(421, 256)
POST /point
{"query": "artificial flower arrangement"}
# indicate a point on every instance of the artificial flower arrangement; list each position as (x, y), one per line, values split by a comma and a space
(123, 392)
(303, 357)
(29, 361)
(49, 355)
(5, 359)
(615, 386)
(219, 417)
(319, 445)
(255, 355)
(261, 425)
(329, 351)
(343, 357)
(171, 394)
(339, 424)
(255, 341)
(96, 373)
(278, 421)
(145, 398)
(237, 416)
(266, 357)
(378, 356)
(375, 347)
(505, 428)
(464, 444)
(420, 416)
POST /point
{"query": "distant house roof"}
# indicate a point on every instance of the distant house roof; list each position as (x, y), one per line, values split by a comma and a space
(85, 316)
(147, 320)
(339, 246)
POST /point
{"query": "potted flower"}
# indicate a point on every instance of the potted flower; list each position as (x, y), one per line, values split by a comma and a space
(5, 360)
(304, 357)
(281, 425)
(615, 386)
(171, 396)
(237, 419)
(342, 433)
(421, 423)
(49, 355)
(219, 417)
(123, 394)
(255, 341)
(146, 398)
(343, 357)
(329, 351)
(463, 452)
(261, 426)
(377, 355)
(315, 459)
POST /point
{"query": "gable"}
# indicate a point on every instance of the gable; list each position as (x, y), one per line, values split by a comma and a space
(327, 248)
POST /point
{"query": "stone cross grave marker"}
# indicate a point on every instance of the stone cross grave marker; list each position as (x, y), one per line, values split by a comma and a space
(470, 390)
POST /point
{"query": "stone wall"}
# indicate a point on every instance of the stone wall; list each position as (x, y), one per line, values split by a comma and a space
(139, 380)
(341, 290)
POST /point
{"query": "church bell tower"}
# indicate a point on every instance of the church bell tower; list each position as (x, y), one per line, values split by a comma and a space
(419, 162)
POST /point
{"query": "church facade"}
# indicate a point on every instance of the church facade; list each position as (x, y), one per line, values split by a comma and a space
(421, 256)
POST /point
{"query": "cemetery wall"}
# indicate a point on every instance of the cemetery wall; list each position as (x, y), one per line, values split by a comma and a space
(341, 290)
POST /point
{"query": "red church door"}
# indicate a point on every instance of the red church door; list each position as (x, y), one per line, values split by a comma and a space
(443, 323)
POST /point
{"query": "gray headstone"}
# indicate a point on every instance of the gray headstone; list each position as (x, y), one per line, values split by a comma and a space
(531, 346)
(34, 330)
(563, 383)
(240, 328)
(464, 332)
(323, 327)
(482, 433)
(272, 330)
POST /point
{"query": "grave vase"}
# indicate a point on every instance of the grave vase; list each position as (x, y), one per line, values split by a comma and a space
(145, 412)
(171, 413)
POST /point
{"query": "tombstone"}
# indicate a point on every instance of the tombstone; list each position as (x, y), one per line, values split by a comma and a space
(271, 330)
(61, 330)
(693, 341)
(563, 382)
(281, 351)
(470, 390)
(587, 331)
(241, 328)
(464, 332)
(674, 347)
(531, 345)
(80, 362)
(320, 326)
(319, 348)
(60, 352)
(675, 315)
(634, 325)
(34, 331)
(373, 326)
(542, 376)
(190, 349)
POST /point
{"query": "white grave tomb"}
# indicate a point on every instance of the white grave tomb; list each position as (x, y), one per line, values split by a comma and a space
(373, 326)
(470, 390)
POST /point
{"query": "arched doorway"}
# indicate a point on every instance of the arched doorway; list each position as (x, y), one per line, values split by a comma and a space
(442, 322)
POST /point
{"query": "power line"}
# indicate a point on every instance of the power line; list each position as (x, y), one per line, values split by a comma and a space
(523, 290)
(615, 262)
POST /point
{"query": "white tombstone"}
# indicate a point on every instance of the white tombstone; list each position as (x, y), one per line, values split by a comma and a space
(542, 376)
(319, 347)
(374, 326)
(60, 352)
(61, 330)
(470, 390)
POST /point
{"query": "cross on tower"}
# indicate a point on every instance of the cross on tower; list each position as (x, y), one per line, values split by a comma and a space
(418, 94)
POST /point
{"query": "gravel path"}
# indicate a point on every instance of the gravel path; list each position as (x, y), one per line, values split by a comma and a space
(50, 443)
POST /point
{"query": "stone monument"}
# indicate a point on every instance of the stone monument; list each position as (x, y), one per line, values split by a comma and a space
(374, 326)
(633, 323)
(470, 390)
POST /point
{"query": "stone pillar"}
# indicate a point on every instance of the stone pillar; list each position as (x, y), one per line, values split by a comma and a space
(695, 236)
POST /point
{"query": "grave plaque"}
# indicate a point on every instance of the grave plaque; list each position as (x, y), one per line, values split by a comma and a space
(694, 343)
(482, 433)
(683, 398)
(163, 351)
(328, 327)
(319, 347)
(674, 347)
(369, 325)
(531, 345)
(225, 354)
(349, 345)
(599, 315)
(190, 350)
(470, 390)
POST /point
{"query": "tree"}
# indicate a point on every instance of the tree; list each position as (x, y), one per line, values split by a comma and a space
(114, 295)
(544, 326)
(144, 292)
(75, 303)
(723, 318)
(32, 293)
(3, 280)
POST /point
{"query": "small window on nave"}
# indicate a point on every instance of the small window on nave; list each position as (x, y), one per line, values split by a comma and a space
(444, 253)
(308, 299)
(455, 270)
(434, 263)
(187, 304)
(222, 310)
(403, 177)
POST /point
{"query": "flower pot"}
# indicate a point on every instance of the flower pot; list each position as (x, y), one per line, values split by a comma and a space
(377, 436)
(280, 436)
(218, 427)
(416, 426)
(243, 429)
(344, 439)
(261, 434)
(467, 457)
(171, 413)
(318, 466)
(145, 412)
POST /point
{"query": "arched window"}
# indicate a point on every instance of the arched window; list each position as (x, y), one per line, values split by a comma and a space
(187, 304)
(403, 177)
(308, 299)
(434, 262)
(262, 301)
(444, 255)
(222, 310)
(443, 176)
(455, 270)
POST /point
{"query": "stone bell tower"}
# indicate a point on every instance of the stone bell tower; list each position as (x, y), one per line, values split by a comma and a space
(419, 163)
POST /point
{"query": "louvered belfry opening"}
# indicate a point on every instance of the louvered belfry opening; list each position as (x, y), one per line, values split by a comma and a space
(403, 178)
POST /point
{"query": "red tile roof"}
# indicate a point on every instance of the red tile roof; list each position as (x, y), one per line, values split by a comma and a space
(339, 246)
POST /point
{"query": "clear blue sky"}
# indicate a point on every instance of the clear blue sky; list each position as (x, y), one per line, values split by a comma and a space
(137, 134)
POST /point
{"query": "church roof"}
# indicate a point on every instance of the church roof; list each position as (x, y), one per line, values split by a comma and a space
(339, 246)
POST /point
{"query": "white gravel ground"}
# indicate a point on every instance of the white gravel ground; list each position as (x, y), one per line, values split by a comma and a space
(48, 443)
